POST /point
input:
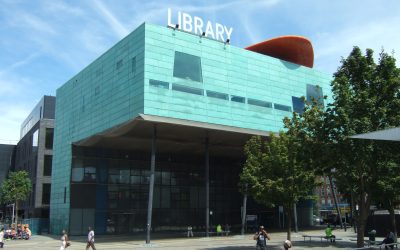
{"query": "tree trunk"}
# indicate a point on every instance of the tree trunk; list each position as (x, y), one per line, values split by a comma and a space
(393, 222)
(364, 203)
(288, 212)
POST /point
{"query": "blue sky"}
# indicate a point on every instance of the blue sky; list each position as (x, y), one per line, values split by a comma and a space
(43, 43)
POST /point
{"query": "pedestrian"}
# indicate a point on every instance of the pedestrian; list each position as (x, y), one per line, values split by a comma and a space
(389, 239)
(90, 242)
(189, 231)
(287, 244)
(219, 230)
(227, 229)
(261, 237)
(328, 234)
(1, 237)
(64, 240)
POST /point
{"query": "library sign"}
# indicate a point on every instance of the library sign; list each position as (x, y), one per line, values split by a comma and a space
(196, 25)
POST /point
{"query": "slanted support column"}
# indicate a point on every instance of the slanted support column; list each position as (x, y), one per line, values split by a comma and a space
(207, 183)
(151, 184)
(244, 208)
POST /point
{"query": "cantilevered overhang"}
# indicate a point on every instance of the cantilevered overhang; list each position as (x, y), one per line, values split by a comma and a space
(295, 49)
(391, 134)
(178, 135)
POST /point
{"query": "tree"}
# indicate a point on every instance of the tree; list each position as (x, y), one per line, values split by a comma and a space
(15, 188)
(366, 98)
(276, 174)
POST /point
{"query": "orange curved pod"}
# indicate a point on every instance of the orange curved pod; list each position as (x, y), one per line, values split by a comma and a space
(295, 49)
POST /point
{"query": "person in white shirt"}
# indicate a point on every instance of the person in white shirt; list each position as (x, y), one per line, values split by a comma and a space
(90, 241)
(1, 237)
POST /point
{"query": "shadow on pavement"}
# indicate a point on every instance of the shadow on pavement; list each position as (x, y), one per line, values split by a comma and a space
(242, 248)
(319, 245)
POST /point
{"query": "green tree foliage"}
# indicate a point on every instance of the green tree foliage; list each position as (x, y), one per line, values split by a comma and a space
(275, 173)
(15, 188)
(366, 98)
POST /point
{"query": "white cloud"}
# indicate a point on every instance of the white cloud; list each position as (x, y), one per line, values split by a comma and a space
(116, 25)
(331, 46)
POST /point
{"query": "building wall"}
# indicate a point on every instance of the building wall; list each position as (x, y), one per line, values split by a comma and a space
(115, 88)
(30, 154)
(225, 69)
(106, 93)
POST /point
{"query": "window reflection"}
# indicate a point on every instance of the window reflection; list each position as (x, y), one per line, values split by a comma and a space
(187, 67)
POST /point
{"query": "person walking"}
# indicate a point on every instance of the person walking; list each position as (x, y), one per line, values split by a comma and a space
(261, 237)
(1, 237)
(189, 231)
(64, 240)
(90, 242)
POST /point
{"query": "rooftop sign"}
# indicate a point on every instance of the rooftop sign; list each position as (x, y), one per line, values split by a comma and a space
(196, 25)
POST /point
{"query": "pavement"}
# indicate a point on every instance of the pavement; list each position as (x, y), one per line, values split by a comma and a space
(234, 242)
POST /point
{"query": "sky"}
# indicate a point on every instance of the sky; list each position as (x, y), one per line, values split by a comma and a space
(44, 43)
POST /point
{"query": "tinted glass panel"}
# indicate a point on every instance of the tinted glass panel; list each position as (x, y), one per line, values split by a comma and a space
(47, 165)
(237, 99)
(186, 89)
(217, 95)
(315, 93)
(259, 103)
(282, 107)
(159, 84)
(298, 105)
(187, 67)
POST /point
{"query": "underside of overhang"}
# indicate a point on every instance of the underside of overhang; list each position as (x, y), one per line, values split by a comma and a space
(173, 135)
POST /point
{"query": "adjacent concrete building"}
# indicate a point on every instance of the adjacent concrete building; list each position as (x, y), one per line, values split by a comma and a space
(34, 153)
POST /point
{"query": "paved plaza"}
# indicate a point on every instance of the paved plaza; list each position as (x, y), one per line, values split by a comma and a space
(235, 242)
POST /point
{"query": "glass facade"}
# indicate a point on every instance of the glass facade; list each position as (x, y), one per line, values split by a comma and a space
(111, 188)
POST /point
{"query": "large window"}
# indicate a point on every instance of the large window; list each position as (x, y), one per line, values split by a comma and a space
(49, 138)
(187, 67)
(47, 165)
(46, 194)
(314, 93)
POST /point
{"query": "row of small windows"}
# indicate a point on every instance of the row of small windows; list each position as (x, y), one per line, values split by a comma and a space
(218, 95)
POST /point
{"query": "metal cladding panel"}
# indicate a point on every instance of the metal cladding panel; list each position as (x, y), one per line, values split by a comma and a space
(229, 71)
(106, 93)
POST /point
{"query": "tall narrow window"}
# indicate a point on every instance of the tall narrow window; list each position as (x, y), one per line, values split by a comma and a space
(49, 138)
(133, 69)
(46, 193)
(187, 67)
(47, 165)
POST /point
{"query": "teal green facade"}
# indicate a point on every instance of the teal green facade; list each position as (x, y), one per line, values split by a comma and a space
(116, 88)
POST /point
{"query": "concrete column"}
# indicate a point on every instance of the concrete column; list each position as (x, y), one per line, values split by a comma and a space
(207, 184)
